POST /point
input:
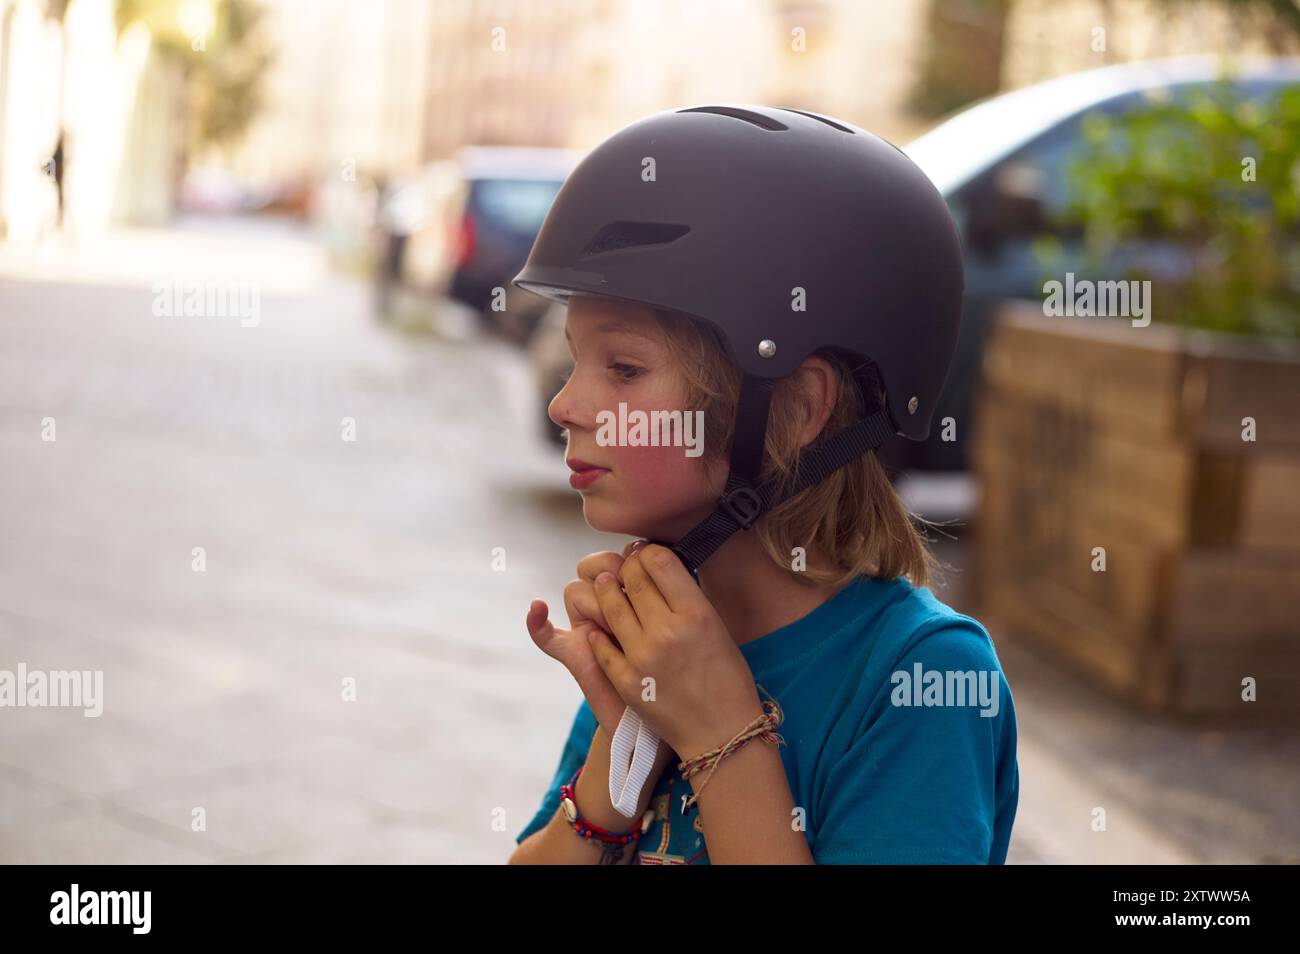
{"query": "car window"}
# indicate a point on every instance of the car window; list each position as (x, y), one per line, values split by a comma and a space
(1041, 168)
(518, 205)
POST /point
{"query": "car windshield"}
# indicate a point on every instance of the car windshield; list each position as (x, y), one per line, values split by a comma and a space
(519, 205)
(957, 150)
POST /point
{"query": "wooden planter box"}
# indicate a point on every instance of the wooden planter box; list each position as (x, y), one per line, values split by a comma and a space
(1092, 433)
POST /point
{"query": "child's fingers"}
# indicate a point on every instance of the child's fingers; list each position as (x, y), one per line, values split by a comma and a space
(539, 624)
(538, 612)
(581, 604)
(674, 583)
(593, 564)
(613, 663)
(643, 593)
(622, 619)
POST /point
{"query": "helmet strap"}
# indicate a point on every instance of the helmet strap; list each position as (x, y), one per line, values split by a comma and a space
(744, 500)
(750, 431)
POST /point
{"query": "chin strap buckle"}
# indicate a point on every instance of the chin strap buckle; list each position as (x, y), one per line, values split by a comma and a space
(686, 561)
(743, 505)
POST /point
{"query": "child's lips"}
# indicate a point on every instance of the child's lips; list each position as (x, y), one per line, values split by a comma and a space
(584, 478)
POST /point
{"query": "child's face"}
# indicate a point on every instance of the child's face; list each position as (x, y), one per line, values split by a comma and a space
(643, 491)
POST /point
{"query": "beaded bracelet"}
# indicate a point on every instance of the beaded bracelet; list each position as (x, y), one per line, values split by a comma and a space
(569, 803)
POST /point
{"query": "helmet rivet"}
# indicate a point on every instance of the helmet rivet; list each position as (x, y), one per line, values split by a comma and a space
(767, 347)
(912, 405)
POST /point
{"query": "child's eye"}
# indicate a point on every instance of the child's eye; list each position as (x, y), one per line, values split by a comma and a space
(625, 371)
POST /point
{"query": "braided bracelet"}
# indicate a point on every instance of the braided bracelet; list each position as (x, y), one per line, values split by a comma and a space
(763, 727)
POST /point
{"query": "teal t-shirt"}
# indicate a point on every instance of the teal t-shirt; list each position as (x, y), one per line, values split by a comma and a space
(900, 736)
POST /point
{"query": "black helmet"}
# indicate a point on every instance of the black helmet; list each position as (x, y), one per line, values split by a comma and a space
(789, 232)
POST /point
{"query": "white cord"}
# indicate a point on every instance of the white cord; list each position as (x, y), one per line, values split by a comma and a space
(631, 757)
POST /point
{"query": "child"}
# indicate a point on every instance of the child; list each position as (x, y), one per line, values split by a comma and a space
(792, 285)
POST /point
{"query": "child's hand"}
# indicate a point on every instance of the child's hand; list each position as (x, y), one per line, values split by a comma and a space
(669, 631)
(580, 594)
(572, 649)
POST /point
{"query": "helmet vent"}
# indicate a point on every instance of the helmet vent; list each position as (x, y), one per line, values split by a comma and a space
(748, 115)
(620, 235)
(821, 119)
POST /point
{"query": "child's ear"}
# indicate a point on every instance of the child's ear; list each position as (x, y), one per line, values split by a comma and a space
(819, 385)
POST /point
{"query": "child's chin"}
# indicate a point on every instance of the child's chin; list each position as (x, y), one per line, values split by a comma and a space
(604, 518)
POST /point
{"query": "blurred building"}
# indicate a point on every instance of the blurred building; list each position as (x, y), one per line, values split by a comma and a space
(344, 95)
(1047, 38)
(66, 74)
(571, 72)
(366, 91)
(507, 73)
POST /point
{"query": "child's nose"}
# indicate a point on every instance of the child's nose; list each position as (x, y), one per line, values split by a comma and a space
(567, 410)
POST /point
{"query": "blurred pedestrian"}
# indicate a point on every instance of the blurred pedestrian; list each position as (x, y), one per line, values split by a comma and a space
(399, 215)
(58, 163)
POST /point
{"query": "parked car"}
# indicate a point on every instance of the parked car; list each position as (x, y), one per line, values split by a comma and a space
(213, 190)
(473, 222)
(1001, 165)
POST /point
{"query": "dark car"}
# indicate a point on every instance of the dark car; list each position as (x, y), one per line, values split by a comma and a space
(478, 216)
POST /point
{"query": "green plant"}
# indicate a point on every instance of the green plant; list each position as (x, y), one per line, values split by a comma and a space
(1216, 177)
(224, 68)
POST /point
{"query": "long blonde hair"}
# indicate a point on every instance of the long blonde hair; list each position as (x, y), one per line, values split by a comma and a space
(854, 518)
